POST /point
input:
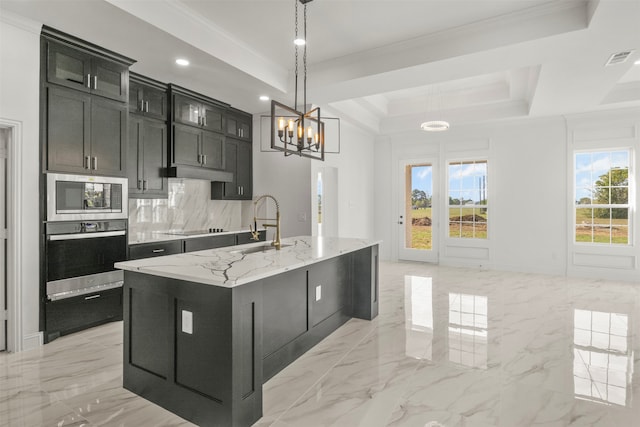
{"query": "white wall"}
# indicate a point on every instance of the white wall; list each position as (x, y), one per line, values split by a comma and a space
(287, 179)
(19, 100)
(530, 183)
(355, 172)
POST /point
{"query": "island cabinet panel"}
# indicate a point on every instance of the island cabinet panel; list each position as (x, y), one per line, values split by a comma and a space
(149, 312)
(285, 309)
(200, 339)
(364, 271)
(329, 288)
(206, 339)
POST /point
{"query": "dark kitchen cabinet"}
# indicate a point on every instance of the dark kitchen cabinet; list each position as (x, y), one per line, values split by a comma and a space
(239, 161)
(147, 97)
(147, 158)
(239, 124)
(85, 134)
(84, 95)
(81, 70)
(195, 112)
(209, 242)
(196, 147)
(148, 250)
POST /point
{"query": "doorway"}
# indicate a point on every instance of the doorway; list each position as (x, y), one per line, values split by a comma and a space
(417, 218)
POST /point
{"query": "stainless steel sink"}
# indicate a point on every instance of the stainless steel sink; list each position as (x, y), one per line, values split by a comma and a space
(262, 248)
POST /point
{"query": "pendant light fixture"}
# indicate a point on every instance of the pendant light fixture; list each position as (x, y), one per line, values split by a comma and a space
(434, 98)
(293, 131)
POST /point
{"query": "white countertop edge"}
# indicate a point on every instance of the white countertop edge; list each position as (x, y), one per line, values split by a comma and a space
(241, 280)
(168, 236)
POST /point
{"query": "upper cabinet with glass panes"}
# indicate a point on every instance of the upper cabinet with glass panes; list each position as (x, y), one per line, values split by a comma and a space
(82, 70)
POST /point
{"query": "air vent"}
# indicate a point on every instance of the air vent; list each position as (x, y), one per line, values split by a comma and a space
(619, 58)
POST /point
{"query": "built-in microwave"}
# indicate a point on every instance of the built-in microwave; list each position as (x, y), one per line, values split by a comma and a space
(81, 197)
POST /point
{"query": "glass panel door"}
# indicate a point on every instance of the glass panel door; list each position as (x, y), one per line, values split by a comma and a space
(418, 235)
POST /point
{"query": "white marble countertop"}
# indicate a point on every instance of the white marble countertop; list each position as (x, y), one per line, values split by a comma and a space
(168, 235)
(229, 266)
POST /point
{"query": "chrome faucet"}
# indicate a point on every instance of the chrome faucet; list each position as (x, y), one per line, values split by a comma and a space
(254, 232)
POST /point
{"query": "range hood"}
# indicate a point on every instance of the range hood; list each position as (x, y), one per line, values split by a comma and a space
(199, 173)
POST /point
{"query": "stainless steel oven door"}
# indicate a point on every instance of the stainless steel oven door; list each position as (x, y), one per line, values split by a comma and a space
(80, 257)
(86, 198)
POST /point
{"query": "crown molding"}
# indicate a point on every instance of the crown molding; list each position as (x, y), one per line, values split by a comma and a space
(21, 22)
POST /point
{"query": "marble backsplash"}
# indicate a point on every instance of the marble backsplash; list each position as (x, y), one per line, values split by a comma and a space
(188, 207)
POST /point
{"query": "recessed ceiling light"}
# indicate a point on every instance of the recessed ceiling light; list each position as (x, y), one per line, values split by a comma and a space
(299, 42)
(182, 61)
(637, 62)
(264, 98)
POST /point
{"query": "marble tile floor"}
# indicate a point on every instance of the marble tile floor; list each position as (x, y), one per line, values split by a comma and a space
(451, 347)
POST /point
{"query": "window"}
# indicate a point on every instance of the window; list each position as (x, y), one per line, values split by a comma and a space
(602, 197)
(468, 207)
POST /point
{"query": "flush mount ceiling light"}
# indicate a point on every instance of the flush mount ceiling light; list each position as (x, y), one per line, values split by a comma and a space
(292, 131)
(435, 126)
(182, 62)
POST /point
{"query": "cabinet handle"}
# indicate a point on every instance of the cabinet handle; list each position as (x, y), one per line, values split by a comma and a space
(139, 186)
(204, 159)
(95, 164)
(92, 297)
(145, 185)
(89, 81)
(87, 165)
(200, 158)
(95, 82)
(204, 121)
(157, 251)
(146, 106)
(199, 120)
(141, 106)
(238, 189)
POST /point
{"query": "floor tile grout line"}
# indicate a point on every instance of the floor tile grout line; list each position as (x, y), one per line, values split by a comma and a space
(322, 376)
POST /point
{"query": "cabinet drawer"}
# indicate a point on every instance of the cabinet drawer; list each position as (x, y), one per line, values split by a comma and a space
(73, 314)
(209, 242)
(148, 250)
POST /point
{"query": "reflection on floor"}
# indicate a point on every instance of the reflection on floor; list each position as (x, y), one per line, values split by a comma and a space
(451, 347)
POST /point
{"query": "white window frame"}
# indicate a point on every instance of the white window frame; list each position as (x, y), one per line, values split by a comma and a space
(474, 160)
(629, 205)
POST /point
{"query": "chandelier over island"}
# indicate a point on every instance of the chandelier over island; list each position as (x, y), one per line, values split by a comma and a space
(294, 131)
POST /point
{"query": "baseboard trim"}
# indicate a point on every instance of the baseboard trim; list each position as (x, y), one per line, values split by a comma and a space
(32, 341)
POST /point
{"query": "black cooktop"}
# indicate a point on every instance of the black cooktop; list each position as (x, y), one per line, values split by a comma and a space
(196, 232)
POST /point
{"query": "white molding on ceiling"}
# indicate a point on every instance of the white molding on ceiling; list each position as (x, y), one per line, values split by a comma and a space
(183, 23)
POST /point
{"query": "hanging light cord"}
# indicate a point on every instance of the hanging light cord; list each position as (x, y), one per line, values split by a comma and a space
(295, 102)
(304, 58)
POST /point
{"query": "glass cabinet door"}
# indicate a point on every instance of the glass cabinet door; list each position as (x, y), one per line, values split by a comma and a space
(68, 67)
(186, 110)
(109, 79)
(213, 118)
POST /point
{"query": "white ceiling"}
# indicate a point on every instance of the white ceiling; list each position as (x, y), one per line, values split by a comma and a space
(386, 65)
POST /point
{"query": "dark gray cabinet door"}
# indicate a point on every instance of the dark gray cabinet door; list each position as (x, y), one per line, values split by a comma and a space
(109, 79)
(108, 137)
(147, 101)
(68, 130)
(154, 150)
(186, 145)
(134, 156)
(239, 125)
(244, 170)
(231, 189)
(213, 118)
(68, 67)
(209, 242)
(212, 150)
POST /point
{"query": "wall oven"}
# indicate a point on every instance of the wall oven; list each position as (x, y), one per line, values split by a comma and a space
(84, 235)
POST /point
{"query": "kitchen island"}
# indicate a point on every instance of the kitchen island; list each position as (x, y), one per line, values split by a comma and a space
(204, 330)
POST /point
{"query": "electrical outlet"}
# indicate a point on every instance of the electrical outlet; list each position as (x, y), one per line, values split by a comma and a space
(318, 292)
(187, 322)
